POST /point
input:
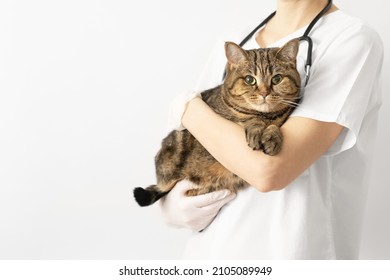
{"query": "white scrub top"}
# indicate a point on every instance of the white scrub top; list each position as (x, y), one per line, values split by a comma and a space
(319, 215)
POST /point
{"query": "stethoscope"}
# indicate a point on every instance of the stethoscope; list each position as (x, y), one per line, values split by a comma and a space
(304, 37)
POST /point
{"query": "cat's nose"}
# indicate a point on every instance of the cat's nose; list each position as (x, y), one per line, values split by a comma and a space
(264, 93)
(263, 90)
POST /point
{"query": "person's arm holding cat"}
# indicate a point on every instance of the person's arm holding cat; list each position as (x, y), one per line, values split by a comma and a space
(305, 140)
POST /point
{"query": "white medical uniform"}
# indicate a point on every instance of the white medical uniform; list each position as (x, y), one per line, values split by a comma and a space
(319, 215)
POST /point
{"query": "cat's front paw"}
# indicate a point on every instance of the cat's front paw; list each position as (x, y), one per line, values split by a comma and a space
(253, 136)
(271, 140)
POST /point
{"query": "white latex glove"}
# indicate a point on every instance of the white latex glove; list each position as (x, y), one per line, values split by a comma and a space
(192, 212)
(177, 109)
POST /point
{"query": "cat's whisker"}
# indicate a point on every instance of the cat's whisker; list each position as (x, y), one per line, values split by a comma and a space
(291, 98)
(289, 103)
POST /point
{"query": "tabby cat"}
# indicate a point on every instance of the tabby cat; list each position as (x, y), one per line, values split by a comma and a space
(260, 91)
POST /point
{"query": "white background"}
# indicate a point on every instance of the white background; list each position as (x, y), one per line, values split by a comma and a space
(84, 91)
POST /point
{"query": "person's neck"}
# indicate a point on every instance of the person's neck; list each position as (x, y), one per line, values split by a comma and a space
(291, 15)
(295, 14)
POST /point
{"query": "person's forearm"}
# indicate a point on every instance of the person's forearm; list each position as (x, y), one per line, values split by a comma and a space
(226, 141)
(304, 141)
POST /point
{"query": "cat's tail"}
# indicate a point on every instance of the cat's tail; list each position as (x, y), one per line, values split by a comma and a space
(148, 196)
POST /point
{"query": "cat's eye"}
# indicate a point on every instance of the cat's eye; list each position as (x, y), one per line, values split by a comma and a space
(250, 80)
(276, 79)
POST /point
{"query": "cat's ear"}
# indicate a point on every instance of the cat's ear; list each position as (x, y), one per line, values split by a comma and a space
(234, 53)
(289, 51)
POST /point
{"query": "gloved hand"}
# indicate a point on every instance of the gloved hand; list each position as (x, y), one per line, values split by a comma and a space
(177, 109)
(192, 212)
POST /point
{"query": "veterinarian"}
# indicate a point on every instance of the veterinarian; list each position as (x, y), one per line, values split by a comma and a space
(307, 202)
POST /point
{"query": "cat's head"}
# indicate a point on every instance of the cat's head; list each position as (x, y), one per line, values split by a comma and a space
(262, 80)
